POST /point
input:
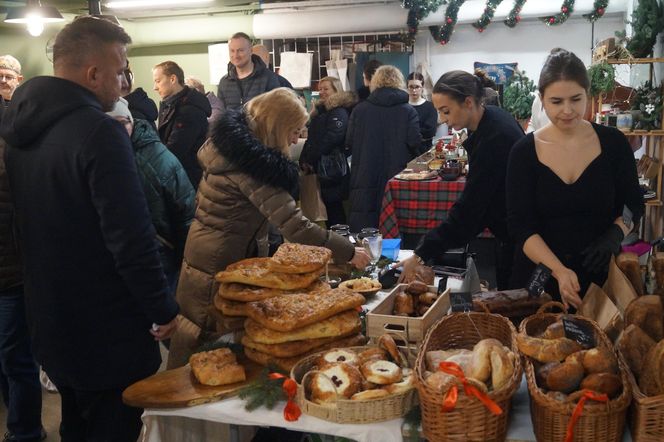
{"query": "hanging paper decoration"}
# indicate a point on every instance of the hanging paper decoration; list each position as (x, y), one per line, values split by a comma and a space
(487, 15)
(514, 16)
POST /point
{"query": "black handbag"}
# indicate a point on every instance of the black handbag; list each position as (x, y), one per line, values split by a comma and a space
(332, 166)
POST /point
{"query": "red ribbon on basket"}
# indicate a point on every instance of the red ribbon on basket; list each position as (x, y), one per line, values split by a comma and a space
(450, 400)
(291, 411)
(587, 394)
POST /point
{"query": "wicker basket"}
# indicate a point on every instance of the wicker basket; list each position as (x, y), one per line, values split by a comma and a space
(345, 411)
(470, 420)
(646, 414)
(599, 421)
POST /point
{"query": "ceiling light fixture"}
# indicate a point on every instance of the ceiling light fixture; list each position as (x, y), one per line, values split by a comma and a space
(34, 15)
(94, 9)
(129, 4)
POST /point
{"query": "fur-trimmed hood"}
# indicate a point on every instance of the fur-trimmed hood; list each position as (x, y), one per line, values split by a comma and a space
(242, 151)
(339, 99)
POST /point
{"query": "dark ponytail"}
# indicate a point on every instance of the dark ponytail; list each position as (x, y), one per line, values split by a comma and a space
(460, 84)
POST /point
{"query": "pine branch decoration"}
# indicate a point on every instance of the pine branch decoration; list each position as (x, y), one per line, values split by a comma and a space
(263, 392)
(442, 34)
(565, 11)
(514, 17)
(599, 8)
(487, 15)
(417, 11)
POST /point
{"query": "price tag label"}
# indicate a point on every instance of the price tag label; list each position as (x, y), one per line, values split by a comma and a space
(538, 280)
(461, 301)
(580, 332)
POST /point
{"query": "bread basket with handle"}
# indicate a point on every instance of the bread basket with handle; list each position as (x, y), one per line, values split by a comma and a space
(596, 420)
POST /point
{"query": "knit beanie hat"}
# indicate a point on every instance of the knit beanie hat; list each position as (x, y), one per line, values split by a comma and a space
(121, 109)
(9, 62)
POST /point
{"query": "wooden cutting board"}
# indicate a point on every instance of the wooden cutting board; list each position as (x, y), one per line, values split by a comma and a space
(179, 388)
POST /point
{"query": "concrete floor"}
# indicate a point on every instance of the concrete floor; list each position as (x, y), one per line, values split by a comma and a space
(51, 408)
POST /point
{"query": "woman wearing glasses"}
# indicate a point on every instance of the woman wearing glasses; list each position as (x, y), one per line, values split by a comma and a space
(425, 110)
(248, 182)
(459, 98)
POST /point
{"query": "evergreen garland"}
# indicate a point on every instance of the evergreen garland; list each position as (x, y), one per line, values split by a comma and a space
(565, 11)
(599, 9)
(442, 34)
(487, 15)
(418, 10)
(647, 22)
(513, 17)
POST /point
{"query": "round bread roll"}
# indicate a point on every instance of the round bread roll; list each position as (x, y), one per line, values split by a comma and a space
(417, 288)
(600, 360)
(346, 378)
(368, 395)
(381, 372)
(404, 304)
(427, 298)
(480, 368)
(607, 383)
(338, 355)
(438, 380)
(406, 384)
(422, 309)
(372, 354)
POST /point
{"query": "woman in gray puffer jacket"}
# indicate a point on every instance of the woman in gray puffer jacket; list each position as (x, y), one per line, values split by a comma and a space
(248, 182)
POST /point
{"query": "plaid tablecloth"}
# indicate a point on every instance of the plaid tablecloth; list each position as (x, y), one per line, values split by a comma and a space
(416, 206)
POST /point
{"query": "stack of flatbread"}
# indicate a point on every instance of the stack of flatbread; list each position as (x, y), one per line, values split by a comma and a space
(290, 312)
(294, 268)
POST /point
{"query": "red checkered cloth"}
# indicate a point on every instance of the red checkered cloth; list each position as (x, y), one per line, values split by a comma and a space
(416, 206)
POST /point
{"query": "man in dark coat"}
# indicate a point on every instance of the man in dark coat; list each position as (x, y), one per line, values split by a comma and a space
(247, 76)
(383, 135)
(19, 374)
(141, 106)
(96, 296)
(183, 115)
(264, 54)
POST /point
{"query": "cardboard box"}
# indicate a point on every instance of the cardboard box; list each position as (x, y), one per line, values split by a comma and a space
(380, 320)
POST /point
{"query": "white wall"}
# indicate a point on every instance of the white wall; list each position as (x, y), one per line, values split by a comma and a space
(528, 44)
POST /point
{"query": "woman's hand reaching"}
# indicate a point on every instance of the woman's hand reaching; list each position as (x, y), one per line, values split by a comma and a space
(568, 285)
(361, 258)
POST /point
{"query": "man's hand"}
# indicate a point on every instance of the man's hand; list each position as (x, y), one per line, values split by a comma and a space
(361, 258)
(161, 332)
(408, 265)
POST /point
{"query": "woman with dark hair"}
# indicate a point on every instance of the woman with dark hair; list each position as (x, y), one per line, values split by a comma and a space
(458, 96)
(490, 93)
(572, 187)
(383, 135)
(248, 182)
(326, 137)
(425, 110)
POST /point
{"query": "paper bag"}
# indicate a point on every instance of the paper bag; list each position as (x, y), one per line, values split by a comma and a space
(618, 288)
(311, 202)
(598, 307)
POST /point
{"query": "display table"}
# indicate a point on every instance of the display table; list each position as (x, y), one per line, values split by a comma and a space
(415, 207)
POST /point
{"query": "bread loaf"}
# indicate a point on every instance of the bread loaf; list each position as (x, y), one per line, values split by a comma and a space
(628, 263)
(546, 350)
(502, 367)
(299, 258)
(607, 383)
(480, 368)
(565, 377)
(404, 304)
(600, 360)
(652, 375)
(292, 348)
(658, 267)
(647, 313)
(555, 330)
(509, 303)
(634, 344)
(342, 324)
(416, 288)
(435, 357)
(216, 367)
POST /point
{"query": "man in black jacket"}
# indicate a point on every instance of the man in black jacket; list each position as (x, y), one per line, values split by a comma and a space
(183, 117)
(96, 296)
(247, 76)
(19, 374)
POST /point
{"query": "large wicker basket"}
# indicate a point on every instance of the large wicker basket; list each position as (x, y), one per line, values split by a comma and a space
(469, 420)
(598, 421)
(345, 411)
(646, 414)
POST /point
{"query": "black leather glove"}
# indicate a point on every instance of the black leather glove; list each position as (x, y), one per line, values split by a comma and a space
(598, 254)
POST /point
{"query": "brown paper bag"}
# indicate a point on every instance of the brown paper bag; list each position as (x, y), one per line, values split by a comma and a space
(598, 307)
(618, 288)
(311, 202)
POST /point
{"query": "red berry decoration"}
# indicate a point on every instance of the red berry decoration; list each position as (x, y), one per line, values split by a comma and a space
(518, 18)
(443, 42)
(552, 20)
(564, 9)
(449, 20)
(480, 30)
(600, 11)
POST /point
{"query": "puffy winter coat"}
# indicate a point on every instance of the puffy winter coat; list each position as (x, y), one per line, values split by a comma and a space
(383, 135)
(183, 127)
(142, 107)
(327, 131)
(245, 186)
(167, 189)
(234, 92)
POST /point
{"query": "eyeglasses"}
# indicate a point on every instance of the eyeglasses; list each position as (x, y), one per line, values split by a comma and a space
(412, 87)
(7, 77)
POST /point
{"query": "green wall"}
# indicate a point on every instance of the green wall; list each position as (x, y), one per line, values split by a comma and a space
(30, 51)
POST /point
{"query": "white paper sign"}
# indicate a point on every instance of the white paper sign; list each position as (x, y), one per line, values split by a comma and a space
(218, 59)
(296, 68)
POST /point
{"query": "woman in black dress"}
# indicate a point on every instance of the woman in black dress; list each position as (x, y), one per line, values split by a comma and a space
(572, 188)
(425, 110)
(459, 98)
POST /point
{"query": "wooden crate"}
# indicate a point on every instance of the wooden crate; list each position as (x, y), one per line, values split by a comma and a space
(380, 320)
